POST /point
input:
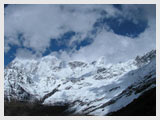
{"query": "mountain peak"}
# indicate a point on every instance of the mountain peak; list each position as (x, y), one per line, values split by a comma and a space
(90, 88)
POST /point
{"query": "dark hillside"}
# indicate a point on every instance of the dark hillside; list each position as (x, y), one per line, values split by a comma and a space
(145, 105)
(32, 109)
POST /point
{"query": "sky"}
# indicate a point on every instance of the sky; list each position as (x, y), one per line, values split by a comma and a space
(79, 32)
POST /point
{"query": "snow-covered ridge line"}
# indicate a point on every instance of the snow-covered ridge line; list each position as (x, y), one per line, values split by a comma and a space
(92, 88)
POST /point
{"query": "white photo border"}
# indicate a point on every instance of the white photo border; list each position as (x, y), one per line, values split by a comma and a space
(2, 2)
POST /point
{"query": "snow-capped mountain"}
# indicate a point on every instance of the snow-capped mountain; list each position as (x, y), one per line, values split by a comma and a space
(92, 88)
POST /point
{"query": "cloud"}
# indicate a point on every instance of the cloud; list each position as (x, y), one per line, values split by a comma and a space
(38, 24)
(115, 47)
(24, 53)
(118, 48)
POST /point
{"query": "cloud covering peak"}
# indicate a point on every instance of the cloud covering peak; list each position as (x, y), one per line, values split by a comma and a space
(83, 32)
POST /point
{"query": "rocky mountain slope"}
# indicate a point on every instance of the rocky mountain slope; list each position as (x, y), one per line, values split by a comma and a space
(92, 88)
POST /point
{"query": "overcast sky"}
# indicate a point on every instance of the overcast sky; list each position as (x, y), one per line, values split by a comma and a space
(79, 32)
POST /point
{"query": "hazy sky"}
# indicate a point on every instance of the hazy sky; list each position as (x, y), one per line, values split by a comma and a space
(79, 32)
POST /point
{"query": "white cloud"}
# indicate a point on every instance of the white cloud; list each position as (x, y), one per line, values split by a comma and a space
(120, 48)
(24, 53)
(105, 44)
(116, 48)
(40, 23)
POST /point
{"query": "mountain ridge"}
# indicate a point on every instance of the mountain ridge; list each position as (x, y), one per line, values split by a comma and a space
(92, 88)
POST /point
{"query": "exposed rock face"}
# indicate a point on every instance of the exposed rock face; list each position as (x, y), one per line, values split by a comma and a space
(76, 64)
(91, 88)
